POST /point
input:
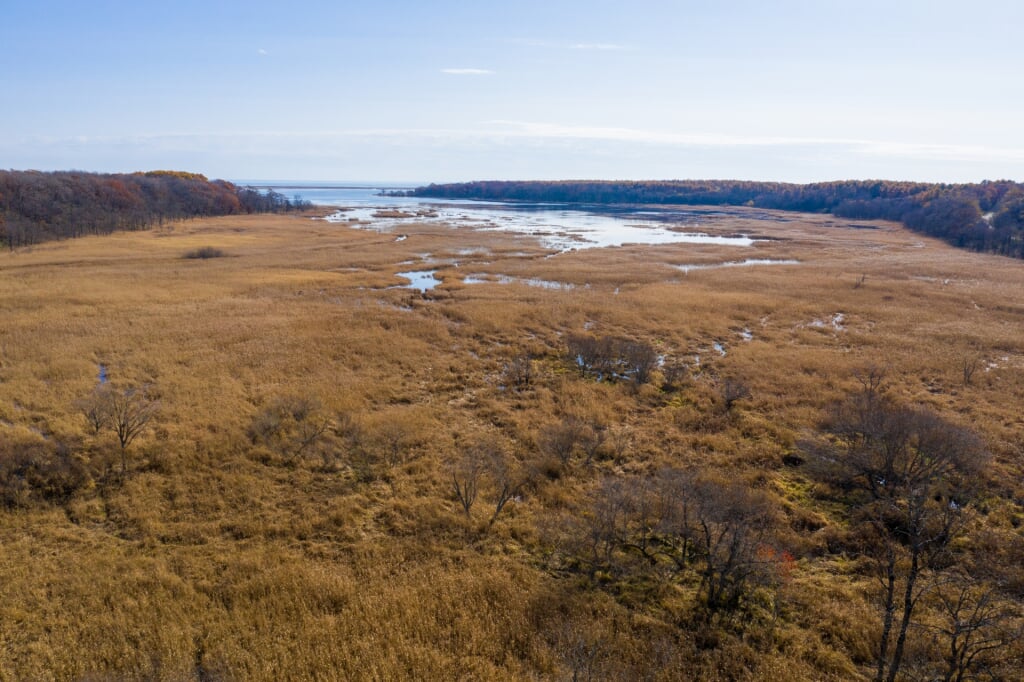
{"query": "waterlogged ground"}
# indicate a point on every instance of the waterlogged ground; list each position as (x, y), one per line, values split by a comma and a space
(555, 228)
(747, 262)
(421, 280)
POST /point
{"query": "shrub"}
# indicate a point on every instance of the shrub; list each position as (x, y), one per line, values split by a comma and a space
(39, 473)
(716, 533)
(610, 357)
(289, 425)
(204, 253)
(517, 373)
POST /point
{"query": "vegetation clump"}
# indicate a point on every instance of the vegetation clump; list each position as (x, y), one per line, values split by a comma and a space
(40, 473)
(289, 425)
(205, 252)
(611, 358)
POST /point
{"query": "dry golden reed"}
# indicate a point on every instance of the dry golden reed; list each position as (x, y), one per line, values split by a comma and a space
(220, 556)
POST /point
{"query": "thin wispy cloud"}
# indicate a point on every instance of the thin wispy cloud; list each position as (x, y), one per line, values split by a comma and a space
(468, 72)
(952, 152)
(596, 46)
(614, 134)
(262, 52)
(568, 45)
(509, 139)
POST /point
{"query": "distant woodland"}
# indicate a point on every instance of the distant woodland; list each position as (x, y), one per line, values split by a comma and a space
(37, 207)
(988, 216)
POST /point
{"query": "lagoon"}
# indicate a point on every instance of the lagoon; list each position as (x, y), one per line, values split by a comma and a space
(557, 226)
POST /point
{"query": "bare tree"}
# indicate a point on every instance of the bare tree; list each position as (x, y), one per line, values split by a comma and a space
(873, 382)
(969, 364)
(598, 533)
(911, 473)
(587, 353)
(466, 475)
(620, 440)
(676, 374)
(728, 527)
(732, 391)
(560, 439)
(640, 360)
(96, 407)
(592, 438)
(131, 412)
(507, 477)
(394, 435)
(41, 471)
(676, 521)
(517, 373)
(611, 357)
(978, 627)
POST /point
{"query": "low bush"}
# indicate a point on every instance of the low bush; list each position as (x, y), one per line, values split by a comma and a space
(610, 358)
(37, 473)
(205, 252)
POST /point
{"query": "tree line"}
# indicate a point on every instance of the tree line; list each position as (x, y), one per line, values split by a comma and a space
(41, 206)
(987, 216)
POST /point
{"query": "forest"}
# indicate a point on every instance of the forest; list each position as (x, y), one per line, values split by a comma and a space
(41, 206)
(987, 216)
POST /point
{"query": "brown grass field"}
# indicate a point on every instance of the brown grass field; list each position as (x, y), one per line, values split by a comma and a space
(218, 556)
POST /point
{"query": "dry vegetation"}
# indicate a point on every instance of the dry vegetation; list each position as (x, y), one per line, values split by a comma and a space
(298, 507)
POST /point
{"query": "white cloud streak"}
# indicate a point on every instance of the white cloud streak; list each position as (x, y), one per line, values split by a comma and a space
(468, 72)
(952, 152)
(502, 134)
(597, 46)
(566, 45)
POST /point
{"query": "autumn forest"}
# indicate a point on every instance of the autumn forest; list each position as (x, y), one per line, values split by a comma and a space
(988, 216)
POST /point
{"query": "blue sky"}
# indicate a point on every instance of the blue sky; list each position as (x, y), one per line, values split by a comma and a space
(791, 90)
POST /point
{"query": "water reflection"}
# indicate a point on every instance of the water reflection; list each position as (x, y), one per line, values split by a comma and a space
(557, 226)
(507, 279)
(737, 264)
(423, 280)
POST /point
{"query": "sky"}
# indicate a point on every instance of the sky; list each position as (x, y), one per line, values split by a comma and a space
(439, 91)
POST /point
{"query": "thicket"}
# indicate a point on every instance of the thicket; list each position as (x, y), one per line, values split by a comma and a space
(987, 216)
(37, 207)
(34, 472)
(611, 358)
(204, 253)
